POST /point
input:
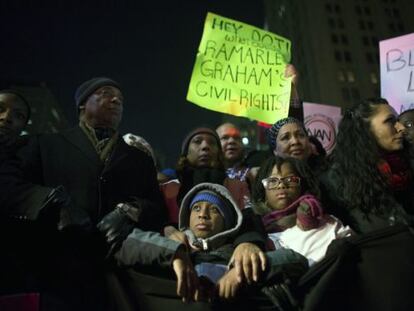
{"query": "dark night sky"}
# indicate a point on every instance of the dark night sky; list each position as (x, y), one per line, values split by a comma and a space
(149, 47)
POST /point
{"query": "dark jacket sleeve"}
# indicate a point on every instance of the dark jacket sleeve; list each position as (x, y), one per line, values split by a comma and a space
(153, 211)
(251, 230)
(21, 194)
(296, 109)
(146, 248)
(285, 264)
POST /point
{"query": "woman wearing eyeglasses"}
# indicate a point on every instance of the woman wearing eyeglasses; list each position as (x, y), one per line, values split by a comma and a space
(286, 195)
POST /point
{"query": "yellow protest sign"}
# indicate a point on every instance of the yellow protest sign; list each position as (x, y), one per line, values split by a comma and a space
(239, 70)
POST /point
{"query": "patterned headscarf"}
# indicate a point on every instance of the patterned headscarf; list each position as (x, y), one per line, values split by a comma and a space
(272, 132)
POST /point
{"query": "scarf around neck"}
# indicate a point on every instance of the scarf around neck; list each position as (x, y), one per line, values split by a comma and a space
(397, 171)
(103, 140)
(273, 221)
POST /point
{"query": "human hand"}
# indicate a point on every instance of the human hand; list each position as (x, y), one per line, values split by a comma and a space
(59, 212)
(50, 211)
(176, 235)
(248, 259)
(309, 214)
(116, 225)
(187, 280)
(228, 285)
(290, 71)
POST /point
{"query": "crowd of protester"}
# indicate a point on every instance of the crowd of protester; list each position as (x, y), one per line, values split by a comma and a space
(89, 221)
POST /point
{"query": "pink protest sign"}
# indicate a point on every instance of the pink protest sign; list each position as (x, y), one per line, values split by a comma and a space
(397, 66)
(322, 122)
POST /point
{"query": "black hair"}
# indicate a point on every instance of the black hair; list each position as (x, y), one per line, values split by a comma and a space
(406, 111)
(318, 145)
(355, 160)
(309, 182)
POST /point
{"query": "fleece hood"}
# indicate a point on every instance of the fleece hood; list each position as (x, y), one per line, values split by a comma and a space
(218, 239)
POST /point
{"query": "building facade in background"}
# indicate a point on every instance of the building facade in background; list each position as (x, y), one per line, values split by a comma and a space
(335, 43)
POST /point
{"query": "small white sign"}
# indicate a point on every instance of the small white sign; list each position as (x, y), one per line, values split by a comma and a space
(397, 66)
(322, 122)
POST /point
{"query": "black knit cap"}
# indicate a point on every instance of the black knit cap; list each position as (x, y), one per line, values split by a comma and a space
(90, 86)
(199, 130)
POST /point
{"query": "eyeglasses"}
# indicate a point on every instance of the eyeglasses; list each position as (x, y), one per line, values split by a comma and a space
(274, 182)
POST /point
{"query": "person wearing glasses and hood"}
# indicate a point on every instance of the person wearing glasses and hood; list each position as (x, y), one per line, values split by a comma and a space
(286, 195)
(211, 220)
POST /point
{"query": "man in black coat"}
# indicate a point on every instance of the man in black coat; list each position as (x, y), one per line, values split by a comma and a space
(14, 116)
(70, 180)
(96, 168)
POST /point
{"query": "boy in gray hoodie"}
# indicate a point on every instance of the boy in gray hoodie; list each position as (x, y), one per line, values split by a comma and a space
(211, 220)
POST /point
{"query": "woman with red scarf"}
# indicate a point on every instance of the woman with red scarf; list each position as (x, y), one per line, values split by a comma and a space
(369, 181)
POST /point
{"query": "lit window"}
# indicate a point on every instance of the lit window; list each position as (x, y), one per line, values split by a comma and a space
(374, 79)
(55, 114)
(341, 76)
(350, 76)
(281, 11)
